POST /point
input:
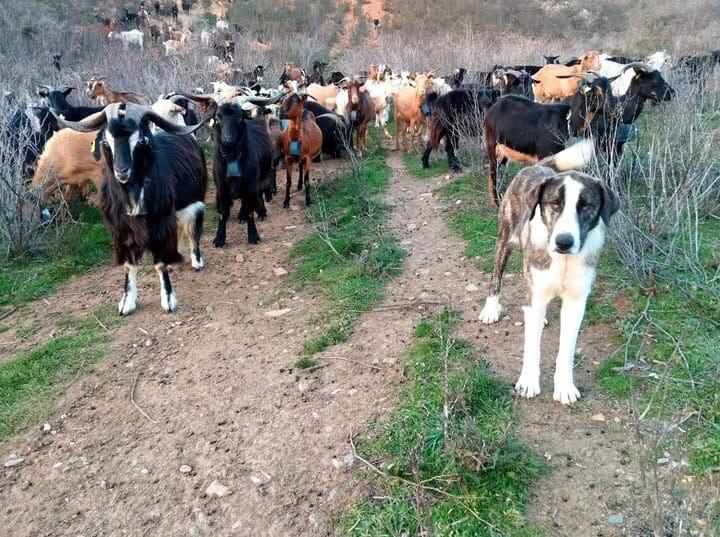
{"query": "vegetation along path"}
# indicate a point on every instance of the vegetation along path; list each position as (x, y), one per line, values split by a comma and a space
(204, 421)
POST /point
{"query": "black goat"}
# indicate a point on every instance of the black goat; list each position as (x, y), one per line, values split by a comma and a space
(697, 69)
(335, 129)
(27, 130)
(186, 5)
(551, 60)
(131, 18)
(459, 111)
(56, 99)
(336, 77)
(243, 166)
(458, 77)
(612, 126)
(317, 73)
(519, 129)
(153, 184)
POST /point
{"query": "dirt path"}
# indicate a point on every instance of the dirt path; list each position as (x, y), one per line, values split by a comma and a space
(218, 380)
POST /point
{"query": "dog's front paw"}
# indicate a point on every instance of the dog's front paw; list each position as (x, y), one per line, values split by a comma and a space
(491, 312)
(528, 385)
(565, 391)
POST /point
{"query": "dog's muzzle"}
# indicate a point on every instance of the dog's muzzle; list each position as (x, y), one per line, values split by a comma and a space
(564, 243)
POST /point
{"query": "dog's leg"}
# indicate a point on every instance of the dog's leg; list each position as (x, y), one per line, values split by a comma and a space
(491, 311)
(528, 385)
(571, 316)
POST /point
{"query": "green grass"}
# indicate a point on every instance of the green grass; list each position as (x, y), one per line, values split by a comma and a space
(305, 363)
(73, 249)
(474, 220)
(350, 257)
(413, 164)
(455, 473)
(30, 380)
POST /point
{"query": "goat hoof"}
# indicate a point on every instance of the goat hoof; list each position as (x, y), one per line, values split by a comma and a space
(218, 242)
(168, 303)
(254, 240)
(425, 164)
(286, 204)
(456, 168)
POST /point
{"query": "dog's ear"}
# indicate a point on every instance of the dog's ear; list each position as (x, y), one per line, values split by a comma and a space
(611, 204)
(534, 195)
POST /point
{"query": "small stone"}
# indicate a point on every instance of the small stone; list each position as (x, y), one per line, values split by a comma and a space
(458, 202)
(148, 342)
(210, 308)
(447, 177)
(598, 417)
(616, 520)
(17, 461)
(472, 288)
(47, 428)
(314, 519)
(239, 258)
(518, 323)
(217, 489)
(411, 227)
(303, 386)
(349, 460)
(547, 455)
(663, 460)
(277, 313)
(424, 273)
(337, 463)
(280, 272)
(185, 468)
(145, 471)
(256, 479)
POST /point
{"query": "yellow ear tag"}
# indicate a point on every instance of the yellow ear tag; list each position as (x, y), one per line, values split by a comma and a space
(62, 116)
(92, 147)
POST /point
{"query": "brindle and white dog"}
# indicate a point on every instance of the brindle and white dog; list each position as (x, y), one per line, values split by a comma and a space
(559, 221)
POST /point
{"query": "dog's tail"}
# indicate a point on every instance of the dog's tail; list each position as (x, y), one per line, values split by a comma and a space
(574, 157)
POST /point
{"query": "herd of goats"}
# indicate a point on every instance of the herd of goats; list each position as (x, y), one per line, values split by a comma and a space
(150, 174)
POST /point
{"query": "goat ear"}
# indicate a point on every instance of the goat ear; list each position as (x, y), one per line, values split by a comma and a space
(43, 92)
(611, 204)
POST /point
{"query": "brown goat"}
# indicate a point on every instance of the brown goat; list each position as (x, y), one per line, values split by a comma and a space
(303, 131)
(68, 161)
(546, 85)
(99, 92)
(409, 101)
(360, 112)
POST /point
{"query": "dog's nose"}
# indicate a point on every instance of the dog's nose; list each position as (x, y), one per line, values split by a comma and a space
(564, 242)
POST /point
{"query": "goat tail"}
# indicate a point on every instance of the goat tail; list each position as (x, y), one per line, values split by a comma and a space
(578, 155)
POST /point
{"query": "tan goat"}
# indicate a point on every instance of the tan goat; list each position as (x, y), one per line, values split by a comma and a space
(409, 101)
(546, 85)
(67, 161)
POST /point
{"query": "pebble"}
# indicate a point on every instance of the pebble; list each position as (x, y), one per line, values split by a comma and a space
(47, 428)
(217, 489)
(239, 258)
(17, 461)
(598, 417)
(337, 463)
(277, 313)
(280, 272)
(145, 471)
(314, 519)
(349, 460)
(518, 323)
(616, 520)
(472, 288)
(185, 469)
(411, 226)
(209, 309)
(148, 342)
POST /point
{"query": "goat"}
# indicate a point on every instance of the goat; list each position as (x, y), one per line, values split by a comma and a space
(336, 77)
(155, 33)
(243, 166)
(317, 73)
(56, 99)
(27, 130)
(99, 92)
(186, 5)
(519, 129)
(459, 111)
(612, 127)
(622, 77)
(172, 47)
(547, 86)
(697, 69)
(71, 160)
(334, 127)
(458, 77)
(301, 142)
(551, 60)
(411, 109)
(325, 95)
(153, 184)
(128, 39)
(379, 93)
(513, 82)
(293, 73)
(56, 59)
(359, 113)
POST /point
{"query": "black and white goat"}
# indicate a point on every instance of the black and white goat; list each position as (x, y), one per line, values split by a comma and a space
(154, 183)
(56, 100)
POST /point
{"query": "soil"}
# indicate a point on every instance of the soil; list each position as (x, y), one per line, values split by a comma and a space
(219, 399)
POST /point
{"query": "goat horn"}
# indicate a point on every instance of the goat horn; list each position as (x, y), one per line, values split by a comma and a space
(642, 65)
(150, 115)
(91, 123)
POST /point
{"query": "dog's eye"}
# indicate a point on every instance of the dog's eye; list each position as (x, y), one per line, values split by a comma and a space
(582, 205)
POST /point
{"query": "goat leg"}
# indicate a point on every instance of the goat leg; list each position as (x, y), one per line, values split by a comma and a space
(168, 301)
(308, 201)
(288, 184)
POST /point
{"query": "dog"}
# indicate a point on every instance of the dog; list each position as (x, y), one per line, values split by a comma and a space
(559, 221)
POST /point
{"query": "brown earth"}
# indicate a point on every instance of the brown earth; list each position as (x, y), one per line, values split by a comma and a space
(224, 402)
